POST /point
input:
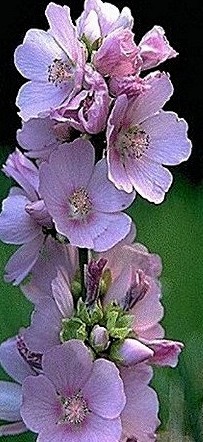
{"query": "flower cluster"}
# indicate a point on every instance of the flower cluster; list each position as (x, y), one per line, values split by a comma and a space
(93, 134)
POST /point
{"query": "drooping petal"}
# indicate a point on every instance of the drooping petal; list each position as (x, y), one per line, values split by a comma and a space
(17, 226)
(36, 54)
(104, 390)
(62, 294)
(68, 366)
(168, 138)
(151, 180)
(41, 406)
(13, 428)
(104, 195)
(12, 361)
(155, 48)
(10, 401)
(22, 261)
(139, 417)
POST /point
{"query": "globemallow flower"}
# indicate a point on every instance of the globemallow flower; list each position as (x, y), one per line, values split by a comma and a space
(141, 138)
(53, 63)
(84, 204)
(75, 399)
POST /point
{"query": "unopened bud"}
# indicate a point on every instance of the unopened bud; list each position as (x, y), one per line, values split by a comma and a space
(130, 352)
(99, 338)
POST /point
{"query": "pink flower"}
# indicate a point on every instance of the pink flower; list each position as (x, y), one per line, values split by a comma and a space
(67, 402)
(165, 352)
(23, 216)
(99, 19)
(52, 62)
(139, 417)
(118, 55)
(141, 138)
(84, 204)
(40, 136)
(88, 110)
(154, 48)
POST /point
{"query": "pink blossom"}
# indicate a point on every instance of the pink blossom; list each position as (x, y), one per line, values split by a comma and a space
(99, 19)
(165, 352)
(139, 417)
(88, 110)
(155, 48)
(52, 62)
(40, 136)
(22, 218)
(69, 394)
(131, 85)
(118, 55)
(141, 138)
(83, 203)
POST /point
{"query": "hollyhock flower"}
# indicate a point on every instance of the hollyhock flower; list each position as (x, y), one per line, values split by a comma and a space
(118, 55)
(139, 417)
(11, 392)
(67, 402)
(53, 63)
(40, 136)
(81, 200)
(155, 48)
(141, 138)
(22, 218)
(88, 110)
(100, 19)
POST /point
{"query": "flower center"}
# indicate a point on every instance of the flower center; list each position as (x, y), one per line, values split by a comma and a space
(74, 409)
(80, 203)
(59, 72)
(134, 142)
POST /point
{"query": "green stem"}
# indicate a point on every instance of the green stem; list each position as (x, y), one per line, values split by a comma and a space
(83, 259)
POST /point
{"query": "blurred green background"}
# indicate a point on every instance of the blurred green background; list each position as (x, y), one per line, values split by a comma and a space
(174, 230)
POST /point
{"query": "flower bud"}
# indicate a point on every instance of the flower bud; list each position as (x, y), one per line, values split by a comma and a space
(130, 352)
(99, 338)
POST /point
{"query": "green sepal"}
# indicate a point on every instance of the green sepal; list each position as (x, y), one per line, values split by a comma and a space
(118, 322)
(73, 328)
(82, 312)
(114, 353)
(96, 315)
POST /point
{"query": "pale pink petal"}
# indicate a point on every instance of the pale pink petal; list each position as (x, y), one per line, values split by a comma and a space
(11, 429)
(152, 100)
(96, 429)
(133, 352)
(165, 352)
(35, 98)
(139, 417)
(104, 390)
(22, 261)
(168, 138)
(68, 366)
(115, 227)
(12, 361)
(44, 331)
(62, 294)
(151, 180)
(36, 54)
(16, 226)
(117, 172)
(62, 29)
(38, 137)
(24, 172)
(104, 195)
(10, 401)
(65, 172)
(41, 405)
(155, 48)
